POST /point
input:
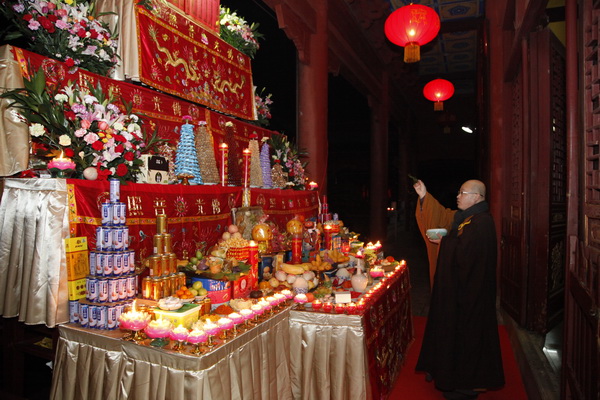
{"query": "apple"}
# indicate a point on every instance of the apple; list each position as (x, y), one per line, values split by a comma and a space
(232, 228)
(202, 292)
(197, 285)
(194, 260)
(199, 255)
(194, 292)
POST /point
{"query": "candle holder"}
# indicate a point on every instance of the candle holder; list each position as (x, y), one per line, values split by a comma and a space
(237, 320)
(179, 336)
(61, 167)
(226, 326)
(300, 300)
(135, 322)
(196, 338)
(317, 305)
(211, 330)
(327, 306)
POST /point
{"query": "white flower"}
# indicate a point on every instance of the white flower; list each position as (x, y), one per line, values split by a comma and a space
(81, 154)
(118, 126)
(133, 127)
(64, 140)
(37, 130)
(61, 98)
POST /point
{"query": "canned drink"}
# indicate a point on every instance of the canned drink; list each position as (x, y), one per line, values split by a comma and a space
(103, 238)
(102, 290)
(181, 279)
(107, 213)
(166, 265)
(99, 268)
(73, 311)
(167, 239)
(91, 289)
(161, 223)
(119, 217)
(117, 239)
(173, 263)
(113, 290)
(155, 265)
(131, 286)
(118, 264)
(159, 244)
(156, 289)
(84, 315)
(114, 190)
(101, 317)
(111, 317)
(107, 264)
(122, 288)
(126, 266)
(92, 316)
(92, 263)
(125, 237)
(146, 287)
(131, 261)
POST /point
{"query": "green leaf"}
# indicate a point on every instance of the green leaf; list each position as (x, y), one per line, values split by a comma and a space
(39, 83)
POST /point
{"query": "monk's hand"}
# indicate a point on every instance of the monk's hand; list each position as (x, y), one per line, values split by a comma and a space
(436, 241)
(420, 188)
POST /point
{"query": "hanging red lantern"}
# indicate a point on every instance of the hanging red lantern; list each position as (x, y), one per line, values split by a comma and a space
(438, 90)
(412, 26)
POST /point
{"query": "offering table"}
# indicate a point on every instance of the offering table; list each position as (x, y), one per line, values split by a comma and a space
(340, 356)
(94, 364)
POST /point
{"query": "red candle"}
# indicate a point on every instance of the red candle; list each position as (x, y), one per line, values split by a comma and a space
(327, 307)
(328, 234)
(297, 249)
(361, 305)
(351, 307)
(316, 305)
(223, 150)
(340, 307)
(246, 154)
(253, 253)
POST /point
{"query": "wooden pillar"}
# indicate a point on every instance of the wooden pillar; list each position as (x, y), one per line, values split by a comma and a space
(312, 98)
(379, 162)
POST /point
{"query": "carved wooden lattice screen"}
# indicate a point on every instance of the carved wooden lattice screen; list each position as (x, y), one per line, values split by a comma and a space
(581, 359)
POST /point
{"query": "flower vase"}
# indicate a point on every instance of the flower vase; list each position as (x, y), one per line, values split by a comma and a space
(359, 281)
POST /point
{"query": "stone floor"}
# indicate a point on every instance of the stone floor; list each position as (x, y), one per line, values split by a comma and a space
(538, 356)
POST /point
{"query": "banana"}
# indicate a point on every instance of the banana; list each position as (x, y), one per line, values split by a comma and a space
(292, 269)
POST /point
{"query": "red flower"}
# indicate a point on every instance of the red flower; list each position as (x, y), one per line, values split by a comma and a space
(69, 152)
(103, 174)
(122, 170)
(47, 24)
(81, 33)
(93, 34)
(98, 145)
(70, 115)
(119, 138)
(69, 62)
(119, 148)
(128, 156)
(52, 18)
(27, 17)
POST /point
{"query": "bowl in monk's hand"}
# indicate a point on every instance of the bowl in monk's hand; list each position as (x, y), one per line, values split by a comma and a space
(437, 233)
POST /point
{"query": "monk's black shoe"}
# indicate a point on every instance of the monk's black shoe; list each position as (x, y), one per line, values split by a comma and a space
(461, 395)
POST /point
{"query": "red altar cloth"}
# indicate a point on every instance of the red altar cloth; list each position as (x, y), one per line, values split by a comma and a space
(197, 215)
(389, 332)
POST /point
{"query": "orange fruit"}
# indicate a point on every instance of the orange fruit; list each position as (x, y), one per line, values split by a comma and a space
(390, 259)
(310, 297)
(188, 294)
(184, 288)
(180, 293)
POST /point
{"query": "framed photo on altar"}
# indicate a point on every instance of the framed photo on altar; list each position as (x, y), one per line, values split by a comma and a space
(245, 218)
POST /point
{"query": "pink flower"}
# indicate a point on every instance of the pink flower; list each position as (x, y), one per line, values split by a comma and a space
(103, 125)
(33, 25)
(85, 124)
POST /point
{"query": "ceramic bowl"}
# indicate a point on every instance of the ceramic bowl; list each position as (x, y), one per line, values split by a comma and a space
(436, 234)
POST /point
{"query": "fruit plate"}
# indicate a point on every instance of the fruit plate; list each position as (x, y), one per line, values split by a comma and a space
(185, 301)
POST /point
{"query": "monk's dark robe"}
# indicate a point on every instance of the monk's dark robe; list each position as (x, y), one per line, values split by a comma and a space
(461, 348)
(431, 214)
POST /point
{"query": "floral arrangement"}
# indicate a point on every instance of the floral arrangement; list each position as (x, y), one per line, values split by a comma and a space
(66, 30)
(236, 31)
(288, 156)
(84, 125)
(263, 107)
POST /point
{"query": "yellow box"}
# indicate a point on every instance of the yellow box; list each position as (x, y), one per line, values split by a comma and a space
(78, 265)
(76, 244)
(77, 289)
(186, 315)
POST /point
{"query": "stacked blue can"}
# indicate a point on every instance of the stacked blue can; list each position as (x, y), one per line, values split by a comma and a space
(112, 282)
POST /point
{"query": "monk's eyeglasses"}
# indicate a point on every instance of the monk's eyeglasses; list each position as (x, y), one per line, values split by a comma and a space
(460, 193)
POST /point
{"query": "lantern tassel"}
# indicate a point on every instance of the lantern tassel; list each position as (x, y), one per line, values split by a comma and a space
(412, 52)
(438, 106)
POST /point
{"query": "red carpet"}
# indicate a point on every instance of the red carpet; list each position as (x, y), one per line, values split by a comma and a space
(412, 386)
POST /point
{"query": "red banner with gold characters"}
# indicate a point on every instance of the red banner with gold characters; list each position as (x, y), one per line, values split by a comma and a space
(179, 56)
(197, 215)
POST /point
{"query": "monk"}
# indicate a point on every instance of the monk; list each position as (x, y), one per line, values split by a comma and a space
(461, 346)
(430, 214)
